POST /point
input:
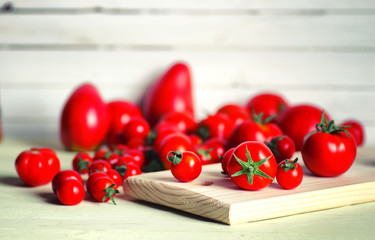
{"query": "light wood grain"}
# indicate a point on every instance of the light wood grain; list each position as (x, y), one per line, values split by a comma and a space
(214, 196)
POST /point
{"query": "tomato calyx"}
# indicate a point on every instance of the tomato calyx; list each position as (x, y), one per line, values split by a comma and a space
(289, 165)
(258, 117)
(175, 157)
(121, 169)
(203, 132)
(205, 153)
(82, 164)
(251, 168)
(109, 192)
(273, 144)
(330, 127)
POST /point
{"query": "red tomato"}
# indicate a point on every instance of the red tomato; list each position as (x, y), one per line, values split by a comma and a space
(101, 154)
(138, 156)
(160, 137)
(115, 176)
(217, 125)
(65, 175)
(282, 147)
(99, 166)
(195, 139)
(174, 142)
(236, 113)
(171, 93)
(84, 120)
(252, 166)
(270, 104)
(121, 113)
(297, 121)
(92, 177)
(186, 166)
(182, 120)
(225, 160)
(355, 129)
(329, 151)
(82, 162)
(253, 131)
(70, 192)
(103, 189)
(37, 166)
(137, 127)
(289, 174)
(211, 151)
(113, 159)
(127, 167)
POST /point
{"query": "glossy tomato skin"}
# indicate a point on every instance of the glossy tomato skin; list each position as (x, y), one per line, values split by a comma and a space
(225, 160)
(99, 166)
(289, 178)
(115, 176)
(217, 125)
(84, 120)
(298, 121)
(171, 93)
(188, 168)
(63, 176)
(103, 189)
(211, 151)
(92, 178)
(236, 113)
(259, 153)
(70, 192)
(182, 120)
(270, 104)
(329, 155)
(121, 112)
(137, 127)
(37, 166)
(253, 131)
(82, 162)
(355, 129)
(282, 147)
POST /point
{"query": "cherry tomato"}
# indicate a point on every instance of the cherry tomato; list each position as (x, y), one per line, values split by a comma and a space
(270, 104)
(282, 147)
(160, 137)
(236, 113)
(182, 120)
(115, 176)
(121, 112)
(329, 151)
(138, 156)
(92, 177)
(127, 169)
(355, 129)
(298, 121)
(137, 127)
(65, 175)
(101, 154)
(289, 174)
(225, 160)
(195, 139)
(82, 162)
(70, 192)
(104, 189)
(174, 142)
(37, 166)
(113, 159)
(217, 125)
(186, 166)
(211, 151)
(85, 120)
(252, 165)
(99, 166)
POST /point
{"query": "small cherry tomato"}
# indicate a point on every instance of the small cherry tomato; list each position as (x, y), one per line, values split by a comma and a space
(104, 189)
(289, 174)
(101, 154)
(65, 175)
(99, 166)
(137, 127)
(225, 160)
(186, 166)
(92, 178)
(355, 129)
(138, 156)
(37, 166)
(113, 159)
(115, 176)
(217, 125)
(70, 192)
(282, 147)
(182, 120)
(236, 113)
(128, 169)
(211, 151)
(82, 162)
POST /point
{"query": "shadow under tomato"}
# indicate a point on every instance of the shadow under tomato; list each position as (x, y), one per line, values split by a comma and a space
(49, 197)
(12, 181)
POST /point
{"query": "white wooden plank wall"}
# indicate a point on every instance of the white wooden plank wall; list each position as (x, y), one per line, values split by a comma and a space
(320, 52)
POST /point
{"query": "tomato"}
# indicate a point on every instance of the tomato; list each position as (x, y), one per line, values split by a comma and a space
(298, 121)
(171, 93)
(137, 127)
(70, 192)
(225, 160)
(101, 154)
(160, 137)
(252, 165)
(127, 167)
(103, 189)
(195, 139)
(186, 166)
(236, 113)
(82, 162)
(37, 166)
(217, 125)
(270, 104)
(173, 142)
(99, 166)
(355, 129)
(253, 131)
(121, 112)
(115, 176)
(138, 156)
(64, 175)
(182, 120)
(92, 177)
(329, 151)
(211, 151)
(282, 147)
(84, 120)
(289, 174)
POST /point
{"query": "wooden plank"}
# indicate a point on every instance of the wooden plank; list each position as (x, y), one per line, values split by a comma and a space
(214, 196)
(197, 31)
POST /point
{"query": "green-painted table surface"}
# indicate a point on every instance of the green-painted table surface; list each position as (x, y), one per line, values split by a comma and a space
(35, 213)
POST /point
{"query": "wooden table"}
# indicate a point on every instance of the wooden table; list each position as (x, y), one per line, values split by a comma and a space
(35, 213)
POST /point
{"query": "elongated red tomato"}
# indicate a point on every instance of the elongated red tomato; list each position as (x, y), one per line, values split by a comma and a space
(171, 93)
(84, 120)
(252, 165)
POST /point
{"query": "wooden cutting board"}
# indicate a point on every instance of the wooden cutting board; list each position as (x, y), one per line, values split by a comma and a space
(213, 195)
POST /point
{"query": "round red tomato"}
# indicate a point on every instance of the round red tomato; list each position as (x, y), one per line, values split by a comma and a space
(115, 176)
(127, 167)
(137, 127)
(99, 166)
(355, 129)
(182, 120)
(211, 151)
(92, 178)
(65, 175)
(104, 189)
(121, 112)
(138, 156)
(70, 192)
(289, 174)
(186, 166)
(282, 147)
(270, 104)
(37, 166)
(225, 160)
(329, 151)
(82, 162)
(298, 121)
(236, 113)
(252, 166)
(217, 125)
